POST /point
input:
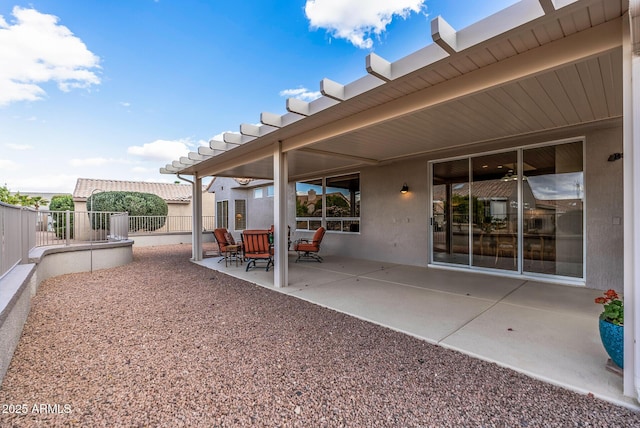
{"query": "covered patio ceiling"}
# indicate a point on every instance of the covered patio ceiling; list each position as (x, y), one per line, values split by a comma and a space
(528, 69)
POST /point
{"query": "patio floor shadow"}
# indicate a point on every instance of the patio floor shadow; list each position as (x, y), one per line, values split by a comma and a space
(547, 331)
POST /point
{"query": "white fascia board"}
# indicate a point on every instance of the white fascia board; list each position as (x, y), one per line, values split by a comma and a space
(321, 103)
(362, 85)
(295, 105)
(444, 35)
(236, 138)
(379, 67)
(424, 57)
(255, 130)
(206, 151)
(507, 19)
(196, 156)
(220, 145)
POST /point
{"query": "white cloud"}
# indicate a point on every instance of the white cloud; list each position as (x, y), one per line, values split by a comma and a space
(8, 165)
(19, 147)
(61, 183)
(92, 161)
(162, 150)
(125, 104)
(358, 20)
(34, 50)
(301, 94)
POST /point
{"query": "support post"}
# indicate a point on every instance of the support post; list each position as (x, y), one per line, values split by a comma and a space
(196, 227)
(631, 166)
(280, 179)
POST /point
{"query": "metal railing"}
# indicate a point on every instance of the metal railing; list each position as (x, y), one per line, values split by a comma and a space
(166, 224)
(75, 227)
(17, 236)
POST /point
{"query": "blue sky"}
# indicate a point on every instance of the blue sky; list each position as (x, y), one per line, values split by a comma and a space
(115, 89)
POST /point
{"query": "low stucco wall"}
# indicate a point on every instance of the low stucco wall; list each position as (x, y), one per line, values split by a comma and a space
(21, 283)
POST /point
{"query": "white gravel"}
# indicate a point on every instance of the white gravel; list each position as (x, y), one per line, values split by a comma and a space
(164, 342)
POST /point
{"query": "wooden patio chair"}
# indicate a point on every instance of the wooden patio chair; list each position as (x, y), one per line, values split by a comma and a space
(257, 248)
(308, 250)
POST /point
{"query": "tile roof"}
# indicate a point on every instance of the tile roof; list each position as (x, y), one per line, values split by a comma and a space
(170, 192)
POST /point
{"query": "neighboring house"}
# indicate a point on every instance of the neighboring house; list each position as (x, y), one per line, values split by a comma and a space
(543, 96)
(177, 196)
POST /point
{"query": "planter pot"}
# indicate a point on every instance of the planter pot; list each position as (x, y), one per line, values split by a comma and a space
(612, 337)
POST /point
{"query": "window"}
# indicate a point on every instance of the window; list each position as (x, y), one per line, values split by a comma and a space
(240, 209)
(333, 201)
(263, 192)
(222, 214)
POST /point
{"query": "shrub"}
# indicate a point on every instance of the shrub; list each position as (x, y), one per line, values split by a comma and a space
(62, 203)
(134, 203)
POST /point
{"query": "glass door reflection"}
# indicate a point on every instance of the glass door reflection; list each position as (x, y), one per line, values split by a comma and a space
(494, 196)
(450, 205)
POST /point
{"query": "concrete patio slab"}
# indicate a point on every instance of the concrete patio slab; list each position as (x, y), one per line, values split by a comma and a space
(547, 331)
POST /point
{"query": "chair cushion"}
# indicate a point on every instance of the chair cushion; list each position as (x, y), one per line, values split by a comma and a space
(229, 238)
(306, 247)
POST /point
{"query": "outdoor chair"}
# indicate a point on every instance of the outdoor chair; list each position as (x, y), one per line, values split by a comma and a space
(272, 229)
(308, 250)
(257, 248)
(224, 239)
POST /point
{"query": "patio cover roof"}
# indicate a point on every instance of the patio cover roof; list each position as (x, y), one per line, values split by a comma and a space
(539, 65)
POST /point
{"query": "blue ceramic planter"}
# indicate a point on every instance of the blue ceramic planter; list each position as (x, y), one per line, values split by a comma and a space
(612, 337)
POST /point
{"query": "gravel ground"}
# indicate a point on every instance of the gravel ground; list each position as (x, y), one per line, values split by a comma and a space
(164, 342)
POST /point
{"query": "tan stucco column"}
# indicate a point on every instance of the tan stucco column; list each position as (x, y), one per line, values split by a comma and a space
(280, 179)
(631, 146)
(196, 209)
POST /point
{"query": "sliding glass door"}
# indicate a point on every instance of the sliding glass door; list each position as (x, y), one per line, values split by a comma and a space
(520, 210)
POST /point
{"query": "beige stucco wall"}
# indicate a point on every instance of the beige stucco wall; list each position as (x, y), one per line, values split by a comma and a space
(394, 227)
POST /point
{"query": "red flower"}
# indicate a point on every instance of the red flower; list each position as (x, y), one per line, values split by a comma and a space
(601, 300)
(611, 294)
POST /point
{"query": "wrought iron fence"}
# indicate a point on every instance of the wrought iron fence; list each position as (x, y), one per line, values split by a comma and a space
(74, 227)
(167, 224)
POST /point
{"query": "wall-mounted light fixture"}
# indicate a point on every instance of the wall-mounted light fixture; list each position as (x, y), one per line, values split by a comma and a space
(614, 157)
(405, 188)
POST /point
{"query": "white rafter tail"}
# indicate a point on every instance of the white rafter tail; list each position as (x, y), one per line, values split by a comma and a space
(197, 156)
(169, 169)
(271, 119)
(444, 35)
(297, 106)
(256, 130)
(547, 6)
(278, 121)
(379, 67)
(332, 89)
(236, 138)
(179, 166)
(220, 145)
(206, 151)
(186, 161)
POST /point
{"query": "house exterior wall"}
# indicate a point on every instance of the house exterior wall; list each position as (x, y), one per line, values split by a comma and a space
(394, 227)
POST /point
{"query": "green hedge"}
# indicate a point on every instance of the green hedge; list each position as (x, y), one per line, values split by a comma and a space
(62, 203)
(134, 203)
